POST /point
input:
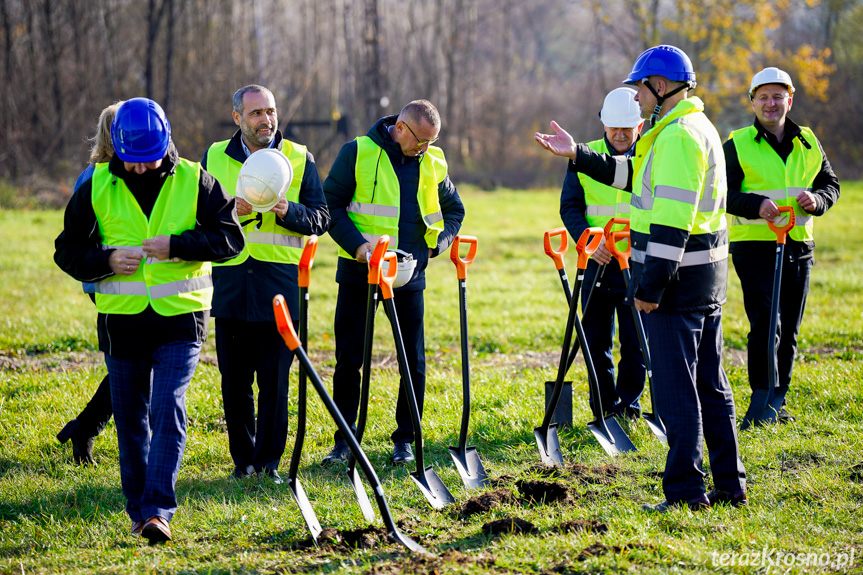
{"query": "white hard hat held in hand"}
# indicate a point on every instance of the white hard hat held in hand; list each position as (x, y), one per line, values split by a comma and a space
(406, 267)
(264, 179)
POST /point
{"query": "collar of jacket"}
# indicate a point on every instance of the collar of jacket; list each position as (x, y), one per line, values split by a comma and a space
(629, 153)
(792, 130)
(235, 147)
(683, 107)
(380, 135)
(172, 157)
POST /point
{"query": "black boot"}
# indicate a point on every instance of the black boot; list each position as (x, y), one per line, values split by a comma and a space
(82, 446)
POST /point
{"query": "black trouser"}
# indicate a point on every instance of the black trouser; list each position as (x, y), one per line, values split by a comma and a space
(95, 416)
(756, 279)
(349, 331)
(598, 323)
(244, 349)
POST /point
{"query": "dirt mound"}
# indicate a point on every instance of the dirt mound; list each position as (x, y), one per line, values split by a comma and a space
(543, 491)
(602, 475)
(580, 525)
(508, 525)
(438, 564)
(485, 502)
(365, 538)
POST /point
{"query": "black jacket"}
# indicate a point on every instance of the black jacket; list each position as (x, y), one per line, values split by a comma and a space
(216, 237)
(339, 190)
(246, 291)
(825, 188)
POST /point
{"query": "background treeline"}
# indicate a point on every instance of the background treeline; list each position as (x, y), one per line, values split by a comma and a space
(497, 69)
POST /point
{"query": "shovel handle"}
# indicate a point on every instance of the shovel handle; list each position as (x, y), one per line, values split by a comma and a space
(616, 221)
(375, 260)
(622, 256)
(284, 323)
(462, 263)
(306, 261)
(587, 244)
(556, 254)
(782, 231)
(387, 279)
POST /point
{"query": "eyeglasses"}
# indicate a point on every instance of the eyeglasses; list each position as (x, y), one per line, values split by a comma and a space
(420, 142)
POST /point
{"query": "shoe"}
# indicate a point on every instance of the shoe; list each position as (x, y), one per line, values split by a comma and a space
(137, 526)
(242, 472)
(699, 504)
(402, 453)
(156, 530)
(782, 416)
(735, 500)
(338, 454)
(272, 474)
(82, 446)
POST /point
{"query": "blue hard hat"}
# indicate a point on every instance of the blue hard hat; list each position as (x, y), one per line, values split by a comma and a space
(663, 60)
(140, 131)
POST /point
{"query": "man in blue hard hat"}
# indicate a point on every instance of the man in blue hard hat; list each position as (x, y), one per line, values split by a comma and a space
(144, 229)
(585, 203)
(680, 268)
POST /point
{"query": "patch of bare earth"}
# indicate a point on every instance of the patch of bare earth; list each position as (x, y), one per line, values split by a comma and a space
(485, 502)
(508, 525)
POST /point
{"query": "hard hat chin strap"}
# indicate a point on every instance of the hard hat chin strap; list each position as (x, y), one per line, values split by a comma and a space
(660, 100)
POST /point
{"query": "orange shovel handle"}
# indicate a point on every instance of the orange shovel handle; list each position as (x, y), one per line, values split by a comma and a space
(284, 323)
(587, 244)
(622, 256)
(782, 231)
(615, 221)
(556, 255)
(462, 263)
(375, 260)
(387, 279)
(306, 261)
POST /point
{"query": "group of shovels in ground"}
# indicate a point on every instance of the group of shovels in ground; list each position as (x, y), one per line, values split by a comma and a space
(383, 269)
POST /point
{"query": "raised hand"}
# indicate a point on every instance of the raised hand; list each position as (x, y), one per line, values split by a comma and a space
(560, 143)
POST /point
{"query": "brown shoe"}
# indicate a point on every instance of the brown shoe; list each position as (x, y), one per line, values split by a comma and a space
(137, 526)
(156, 530)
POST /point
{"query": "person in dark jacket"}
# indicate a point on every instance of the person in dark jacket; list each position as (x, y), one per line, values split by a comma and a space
(774, 163)
(391, 181)
(247, 341)
(143, 229)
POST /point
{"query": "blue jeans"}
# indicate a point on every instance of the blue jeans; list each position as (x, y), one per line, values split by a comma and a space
(149, 397)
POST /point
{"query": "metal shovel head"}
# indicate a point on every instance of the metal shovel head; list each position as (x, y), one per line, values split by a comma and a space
(360, 492)
(306, 510)
(549, 445)
(656, 426)
(406, 541)
(611, 436)
(433, 488)
(470, 467)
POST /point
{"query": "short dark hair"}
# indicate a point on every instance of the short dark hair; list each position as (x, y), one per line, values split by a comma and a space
(419, 110)
(251, 88)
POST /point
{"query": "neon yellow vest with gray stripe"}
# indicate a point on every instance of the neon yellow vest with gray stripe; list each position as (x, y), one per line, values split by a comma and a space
(171, 287)
(374, 209)
(603, 202)
(691, 199)
(765, 173)
(267, 241)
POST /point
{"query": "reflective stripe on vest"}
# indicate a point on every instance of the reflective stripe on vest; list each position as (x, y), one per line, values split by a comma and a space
(171, 287)
(374, 209)
(266, 240)
(765, 174)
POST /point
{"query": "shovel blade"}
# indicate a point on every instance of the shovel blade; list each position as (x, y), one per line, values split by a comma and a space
(549, 445)
(470, 467)
(306, 510)
(654, 423)
(360, 492)
(611, 436)
(407, 542)
(434, 490)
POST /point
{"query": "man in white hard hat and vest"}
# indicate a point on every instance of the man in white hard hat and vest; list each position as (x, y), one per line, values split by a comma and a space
(144, 229)
(584, 203)
(247, 341)
(391, 181)
(774, 162)
(679, 268)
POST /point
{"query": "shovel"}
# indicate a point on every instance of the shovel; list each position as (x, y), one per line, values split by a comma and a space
(764, 405)
(286, 329)
(371, 305)
(426, 479)
(466, 459)
(622, 256)
(303, 276)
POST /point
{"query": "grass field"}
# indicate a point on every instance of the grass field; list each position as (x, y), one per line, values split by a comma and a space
(805, 479)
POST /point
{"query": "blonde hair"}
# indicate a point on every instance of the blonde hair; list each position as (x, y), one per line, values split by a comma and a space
(102, 147)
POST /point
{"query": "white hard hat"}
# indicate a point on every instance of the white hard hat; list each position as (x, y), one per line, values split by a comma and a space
(620, 110)
(264, 179)
(406, 267)
(770, 76)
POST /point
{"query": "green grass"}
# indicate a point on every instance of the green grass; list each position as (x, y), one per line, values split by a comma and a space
(805, 496)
